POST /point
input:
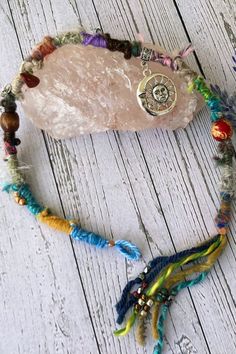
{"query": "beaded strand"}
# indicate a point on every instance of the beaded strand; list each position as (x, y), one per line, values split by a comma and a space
(164, 277)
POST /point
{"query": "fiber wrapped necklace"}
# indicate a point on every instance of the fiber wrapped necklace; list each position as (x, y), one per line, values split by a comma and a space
(151, 293)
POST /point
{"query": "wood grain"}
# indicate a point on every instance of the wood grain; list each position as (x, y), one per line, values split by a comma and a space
(156, 188)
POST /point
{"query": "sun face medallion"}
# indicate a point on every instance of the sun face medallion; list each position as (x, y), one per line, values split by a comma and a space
(157, 94)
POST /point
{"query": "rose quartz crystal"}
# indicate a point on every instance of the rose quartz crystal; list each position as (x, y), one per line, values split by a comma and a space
(87, 90)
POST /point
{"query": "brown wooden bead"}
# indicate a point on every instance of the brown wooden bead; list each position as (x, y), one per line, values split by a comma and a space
(137, 307)
(146, 308)
(10, 122)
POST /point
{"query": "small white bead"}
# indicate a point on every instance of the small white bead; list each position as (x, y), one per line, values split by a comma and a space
(139, 290)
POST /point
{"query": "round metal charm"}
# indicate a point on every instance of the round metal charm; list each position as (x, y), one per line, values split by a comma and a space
(157, 94)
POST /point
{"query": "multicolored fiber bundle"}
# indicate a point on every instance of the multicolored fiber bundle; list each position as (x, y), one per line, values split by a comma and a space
(164, 277)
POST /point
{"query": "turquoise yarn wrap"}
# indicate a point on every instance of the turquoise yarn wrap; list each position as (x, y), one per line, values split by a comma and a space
(126, 248)
(33, 206)
(80, 234)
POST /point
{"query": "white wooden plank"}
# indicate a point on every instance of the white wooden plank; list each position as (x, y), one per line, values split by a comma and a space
(42, 302)
(213, 34)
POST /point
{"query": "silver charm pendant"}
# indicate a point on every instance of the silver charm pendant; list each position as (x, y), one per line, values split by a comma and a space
(156, 93)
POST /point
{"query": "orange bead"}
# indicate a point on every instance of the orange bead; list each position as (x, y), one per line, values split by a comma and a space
(223, 230)
(22, 201)
(9, 122)
(44, 48)
(19, 200)
(222, 130)
(111, 243)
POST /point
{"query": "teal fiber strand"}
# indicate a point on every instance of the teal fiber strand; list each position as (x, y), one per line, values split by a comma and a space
(214, 104)
(128, 249)
(215, 116)
(7, 187)
(189, 283)
(80, 234)
(25, 192)
(160, 325)
(31, 203)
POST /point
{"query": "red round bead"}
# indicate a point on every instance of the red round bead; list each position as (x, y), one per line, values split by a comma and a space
(222, 130)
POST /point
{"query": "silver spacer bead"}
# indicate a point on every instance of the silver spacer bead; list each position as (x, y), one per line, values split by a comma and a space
(146, 54)
(150, 302)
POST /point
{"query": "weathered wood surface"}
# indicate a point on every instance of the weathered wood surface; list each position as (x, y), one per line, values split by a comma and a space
(156, 188)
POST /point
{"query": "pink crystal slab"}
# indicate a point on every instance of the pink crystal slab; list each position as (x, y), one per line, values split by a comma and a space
(89, 90)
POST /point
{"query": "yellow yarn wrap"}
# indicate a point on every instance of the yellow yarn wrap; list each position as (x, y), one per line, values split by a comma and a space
(55, 222)
(155, 314)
